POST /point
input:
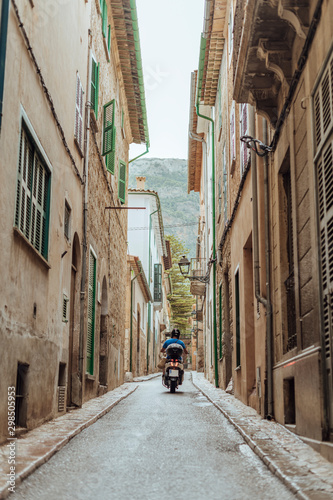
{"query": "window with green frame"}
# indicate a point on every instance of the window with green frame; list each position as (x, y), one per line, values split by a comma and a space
(104, 9)
(91, 313)
(122, 181)
(109, 135)
(94, 85)
(32, 210)
(157, 282)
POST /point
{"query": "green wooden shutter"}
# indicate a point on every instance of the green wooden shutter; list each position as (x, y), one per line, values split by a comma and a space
(91, 313)
(94, 85)
(104, 18)
(109, 38)
(110, 158)
(108, 128)
(157, 282)
(122, 181)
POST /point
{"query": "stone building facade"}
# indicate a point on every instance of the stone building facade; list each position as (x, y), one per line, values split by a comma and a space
(62, 318)
(264, 73)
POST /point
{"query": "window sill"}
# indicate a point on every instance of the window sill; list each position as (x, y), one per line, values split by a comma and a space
(90, 377)
(21, 236)
(238, 368)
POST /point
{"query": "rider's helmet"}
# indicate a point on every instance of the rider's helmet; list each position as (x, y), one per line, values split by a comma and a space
(175, 333)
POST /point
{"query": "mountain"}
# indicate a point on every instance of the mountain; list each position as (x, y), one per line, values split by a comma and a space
(168, 177)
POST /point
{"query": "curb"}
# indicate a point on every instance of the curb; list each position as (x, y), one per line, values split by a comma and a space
(29, 469)
(257, 450)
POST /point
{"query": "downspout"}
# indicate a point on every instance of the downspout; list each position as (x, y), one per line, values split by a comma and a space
(85, 215)
(201, 65)
(256, 265)
(3, 44)
(270, 402)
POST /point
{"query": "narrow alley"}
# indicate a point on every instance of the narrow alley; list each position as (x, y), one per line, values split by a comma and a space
(154, 445)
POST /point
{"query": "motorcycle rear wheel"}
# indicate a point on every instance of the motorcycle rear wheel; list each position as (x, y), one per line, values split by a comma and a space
(173, 385)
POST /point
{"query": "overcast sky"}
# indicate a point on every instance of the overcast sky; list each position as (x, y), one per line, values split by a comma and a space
(170, 39)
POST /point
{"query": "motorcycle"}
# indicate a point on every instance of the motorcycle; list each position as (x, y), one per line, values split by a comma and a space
(174, 368)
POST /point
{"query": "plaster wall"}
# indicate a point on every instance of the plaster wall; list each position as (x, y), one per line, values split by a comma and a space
(31, 290)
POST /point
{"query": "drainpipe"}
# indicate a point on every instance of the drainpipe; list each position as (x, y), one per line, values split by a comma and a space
(3, 43)
(199, 88)
(256, 265)
(269, 330)
(85, 215)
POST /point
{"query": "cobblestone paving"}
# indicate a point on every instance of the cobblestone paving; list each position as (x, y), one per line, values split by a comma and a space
(303, 470)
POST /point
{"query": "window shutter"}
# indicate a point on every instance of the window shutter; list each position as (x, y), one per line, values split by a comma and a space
(122, 181)
(32, 198)
(109, 133)
(104, 18)
(78, 131)
(157, 282)
(91, 313)
(323, 104)
(244, 131)
(94, 85)
(109, 38)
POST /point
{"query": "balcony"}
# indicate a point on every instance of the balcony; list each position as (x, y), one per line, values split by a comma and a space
(268, 40)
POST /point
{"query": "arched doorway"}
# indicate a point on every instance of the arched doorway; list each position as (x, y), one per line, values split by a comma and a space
(73, 396)
(103, 338)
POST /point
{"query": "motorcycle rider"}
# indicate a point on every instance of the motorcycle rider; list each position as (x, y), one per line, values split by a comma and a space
(175, 334)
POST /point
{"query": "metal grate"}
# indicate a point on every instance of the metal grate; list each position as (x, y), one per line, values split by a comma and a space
(61, 398)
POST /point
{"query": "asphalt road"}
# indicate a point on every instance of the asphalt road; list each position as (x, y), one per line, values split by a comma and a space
(156, 445)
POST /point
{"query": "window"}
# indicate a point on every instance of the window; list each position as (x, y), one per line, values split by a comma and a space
(109, 135)
(65, 300)
(286, 242)
(67, 219)
(94, 85)
(91, 312)
(78, 128)
(33, 195)
(122, 181)
(157, 282)
(244, 128)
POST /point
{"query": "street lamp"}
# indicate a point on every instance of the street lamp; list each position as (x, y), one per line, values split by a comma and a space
(184, 266)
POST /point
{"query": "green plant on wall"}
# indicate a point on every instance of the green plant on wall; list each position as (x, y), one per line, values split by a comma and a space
(181, 300)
